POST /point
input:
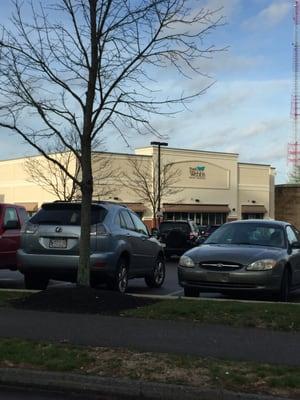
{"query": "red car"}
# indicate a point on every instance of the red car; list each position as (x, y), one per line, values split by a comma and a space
(12, 218)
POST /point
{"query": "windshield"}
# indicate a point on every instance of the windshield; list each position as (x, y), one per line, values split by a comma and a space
(255, 234)
(66, 215)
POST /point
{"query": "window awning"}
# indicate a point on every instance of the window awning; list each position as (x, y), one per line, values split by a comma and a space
(253, 209)
(30, 207)
(136, 207)
(196, 208)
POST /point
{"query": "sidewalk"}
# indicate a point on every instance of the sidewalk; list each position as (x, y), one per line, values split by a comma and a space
(251, 344)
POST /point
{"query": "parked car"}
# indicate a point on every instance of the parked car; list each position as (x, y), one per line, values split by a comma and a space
(252, 255)
(12, 218)
(121, 247)
(205, 232)
(177, 236)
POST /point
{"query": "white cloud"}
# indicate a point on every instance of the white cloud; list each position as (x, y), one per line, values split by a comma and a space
(227, 62)
(270, 16)
(264, 127)
(229, 7)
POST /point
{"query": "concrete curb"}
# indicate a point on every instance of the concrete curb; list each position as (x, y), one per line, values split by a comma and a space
(115, 388)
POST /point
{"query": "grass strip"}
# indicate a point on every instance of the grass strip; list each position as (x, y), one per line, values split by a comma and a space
(154, 367)
(6, 296)
(48, 356)
(283, 317)
(276, 316)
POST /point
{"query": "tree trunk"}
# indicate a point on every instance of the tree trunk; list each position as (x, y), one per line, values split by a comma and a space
(83, 276)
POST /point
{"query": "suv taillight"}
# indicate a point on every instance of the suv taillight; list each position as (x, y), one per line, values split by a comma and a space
(29, 229)
(99, 230)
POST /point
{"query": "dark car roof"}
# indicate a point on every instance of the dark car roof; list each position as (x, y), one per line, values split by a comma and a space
(74, 204)
(261, 221)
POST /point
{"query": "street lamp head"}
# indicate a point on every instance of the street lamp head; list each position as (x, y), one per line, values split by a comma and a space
(159, 143)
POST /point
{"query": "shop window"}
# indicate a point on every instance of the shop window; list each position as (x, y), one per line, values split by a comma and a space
(169, 216)
(252, 216)
(192, 216)
(205, 219)
(220, 218)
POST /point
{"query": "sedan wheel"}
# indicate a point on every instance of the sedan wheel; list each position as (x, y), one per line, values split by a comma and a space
(285, 286)
(191, 291)
(157, 276)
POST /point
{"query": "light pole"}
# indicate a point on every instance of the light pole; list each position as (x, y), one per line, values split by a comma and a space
(158, 144)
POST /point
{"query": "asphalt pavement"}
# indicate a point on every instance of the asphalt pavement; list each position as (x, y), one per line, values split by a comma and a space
(14, 280)
(246, 344)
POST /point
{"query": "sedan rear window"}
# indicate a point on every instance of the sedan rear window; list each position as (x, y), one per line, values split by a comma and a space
(51, 215)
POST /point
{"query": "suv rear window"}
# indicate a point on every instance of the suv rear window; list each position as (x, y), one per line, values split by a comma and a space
(52, 214)
(168, 226)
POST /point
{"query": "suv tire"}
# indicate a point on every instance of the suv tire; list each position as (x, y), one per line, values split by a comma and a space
(157, 276)
(34, 281)
(120, 280)
(190, 291)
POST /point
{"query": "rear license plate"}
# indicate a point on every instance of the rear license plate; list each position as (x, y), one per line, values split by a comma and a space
(218, 276)
(58, 243)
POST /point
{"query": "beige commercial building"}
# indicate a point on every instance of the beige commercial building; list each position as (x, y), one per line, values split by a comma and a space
(287, 203)
(207, 187)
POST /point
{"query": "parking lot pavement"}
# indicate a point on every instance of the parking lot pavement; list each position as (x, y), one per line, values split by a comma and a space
(14, 280)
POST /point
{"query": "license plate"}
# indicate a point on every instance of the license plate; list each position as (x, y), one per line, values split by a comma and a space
(218, 277)
(58, 243)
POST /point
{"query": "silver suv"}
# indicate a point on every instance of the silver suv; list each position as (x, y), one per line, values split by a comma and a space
(121, 247)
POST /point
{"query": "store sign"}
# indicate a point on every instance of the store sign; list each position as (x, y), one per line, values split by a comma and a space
(197, 172)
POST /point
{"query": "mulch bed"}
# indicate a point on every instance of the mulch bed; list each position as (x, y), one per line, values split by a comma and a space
(83, 300)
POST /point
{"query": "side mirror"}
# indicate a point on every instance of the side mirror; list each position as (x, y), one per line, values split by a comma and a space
(12, 224)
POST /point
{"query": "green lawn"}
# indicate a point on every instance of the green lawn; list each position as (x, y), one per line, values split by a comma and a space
(152, 367)
(285, 317)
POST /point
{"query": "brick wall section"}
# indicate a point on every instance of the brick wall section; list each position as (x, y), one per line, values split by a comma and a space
(287, 203)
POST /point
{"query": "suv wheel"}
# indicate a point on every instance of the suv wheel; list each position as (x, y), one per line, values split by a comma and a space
(191, 291)
(120, 281)
(35, 282)
(157, 276)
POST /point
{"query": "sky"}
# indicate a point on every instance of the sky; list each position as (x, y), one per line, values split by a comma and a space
(247, 110)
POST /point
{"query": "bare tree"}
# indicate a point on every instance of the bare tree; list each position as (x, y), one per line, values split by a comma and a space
(143, 182)
(104, 175)
(52, 178)
(74, 69)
